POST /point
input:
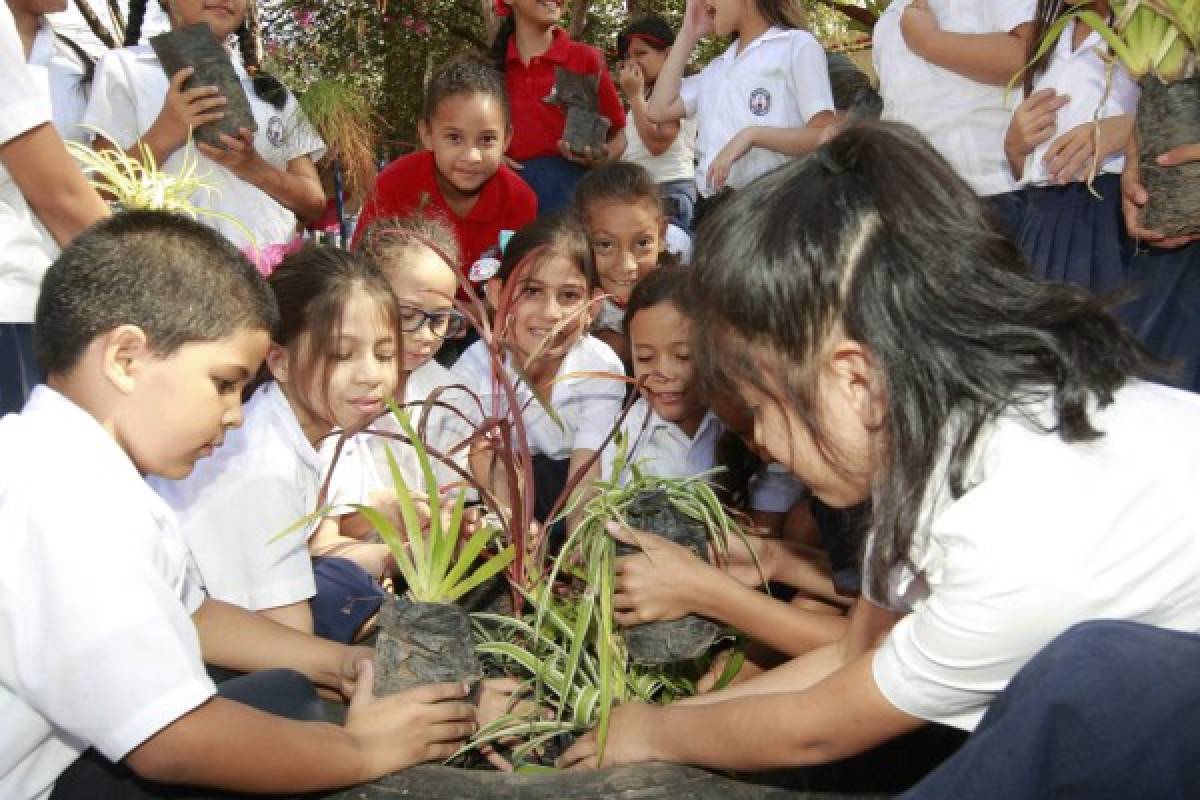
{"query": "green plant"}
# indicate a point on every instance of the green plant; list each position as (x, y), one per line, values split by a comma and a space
(342, 115)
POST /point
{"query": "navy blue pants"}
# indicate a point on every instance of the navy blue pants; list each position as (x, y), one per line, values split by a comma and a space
(553, 180)
(1108, 710)
(281, 692)
(19, 370)
(347, 597)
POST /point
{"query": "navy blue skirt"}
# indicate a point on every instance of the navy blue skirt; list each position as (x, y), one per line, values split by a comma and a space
(1072, 236)
(553, 180)
(1165, 311)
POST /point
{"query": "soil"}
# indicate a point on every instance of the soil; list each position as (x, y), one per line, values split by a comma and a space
(675, 640)
(1168, 116)
(421, 643)
(194, 46)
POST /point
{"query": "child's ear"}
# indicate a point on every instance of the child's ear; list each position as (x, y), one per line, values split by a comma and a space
(853, 369)
(426, 135)
(124, 351)
(277, 362)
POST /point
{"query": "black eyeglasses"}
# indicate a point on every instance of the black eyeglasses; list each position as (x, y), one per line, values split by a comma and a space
(443, 324)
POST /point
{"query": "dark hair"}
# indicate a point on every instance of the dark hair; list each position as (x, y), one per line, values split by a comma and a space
(851, 88)
(499, 50)
(85, 60)
(1048, 12)
(266, 86)
(176, 279)
(387, 240)
(662, 285)
(312, 287)
(651, 29)
(875, 236)
(783, 13)
(464, 76)
(622, 181)
(556, 233)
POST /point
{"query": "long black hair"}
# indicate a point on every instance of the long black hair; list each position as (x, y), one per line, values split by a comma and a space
(499, 51)
(1048, 12)
(876, 238)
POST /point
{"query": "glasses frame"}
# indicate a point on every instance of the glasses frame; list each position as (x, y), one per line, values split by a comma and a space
(456, 323)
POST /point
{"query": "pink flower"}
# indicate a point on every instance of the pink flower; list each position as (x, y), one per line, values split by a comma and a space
(303, 18)
(421, 28)
(407, 22)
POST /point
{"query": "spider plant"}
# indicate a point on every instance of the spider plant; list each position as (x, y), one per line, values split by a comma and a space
(343, 116)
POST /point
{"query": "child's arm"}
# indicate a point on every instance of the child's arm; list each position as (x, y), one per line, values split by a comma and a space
(329, 541)
(992, 58)
(183, 110)
(788, 141)
(296, 188)
(665, 103)
(657, 137)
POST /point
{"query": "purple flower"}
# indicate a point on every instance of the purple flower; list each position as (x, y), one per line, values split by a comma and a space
(407, 22)
(421, 28)
(304, 18)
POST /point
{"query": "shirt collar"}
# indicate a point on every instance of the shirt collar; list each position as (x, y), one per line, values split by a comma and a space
(656, 422)
(774, 32)
(281, 410)
(560, 48)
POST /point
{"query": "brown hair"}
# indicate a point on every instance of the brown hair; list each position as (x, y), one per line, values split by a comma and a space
(389, 240)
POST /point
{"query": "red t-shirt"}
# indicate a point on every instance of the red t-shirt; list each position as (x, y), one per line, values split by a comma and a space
(538, 125)
(505, 203)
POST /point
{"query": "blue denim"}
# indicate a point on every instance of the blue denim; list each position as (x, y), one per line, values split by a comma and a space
(19, 369)
(679, 200)
(1107, 711)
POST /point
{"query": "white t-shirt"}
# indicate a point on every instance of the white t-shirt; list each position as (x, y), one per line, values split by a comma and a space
(1048, 534)
(97, 646)
(587, 406)
(661, 448)
(676, 163)
(26, 247)
(264, 478)
(679, 243)
(781, 80)
(1082, 75)
(59, 69)
(963, 119)
(127, 96)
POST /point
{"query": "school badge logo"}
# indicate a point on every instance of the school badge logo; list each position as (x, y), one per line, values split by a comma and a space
(760, 102)
(275, 131)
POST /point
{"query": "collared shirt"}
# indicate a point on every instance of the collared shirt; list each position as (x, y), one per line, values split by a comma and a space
(780, 80)
(62, 74)
(587, 406)
(127, 96)
(1047, 534)
(409, 184)
(676, 163)
(537, 124)
(1083, 75)
(262, 480)
(963, 119)
(26, 247)
(97, 647)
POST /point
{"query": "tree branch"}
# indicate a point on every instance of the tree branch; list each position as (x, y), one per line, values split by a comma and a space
(856, 13)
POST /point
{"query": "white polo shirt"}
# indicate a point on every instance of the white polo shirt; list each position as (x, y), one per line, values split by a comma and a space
(97, 646)
(963, 119)
(1047, 535)
(26, 247)
(587, 406)
(676, 163)
(127, 96)
(264, 478)
(781, 80)
(661, 448)
(1081, 74)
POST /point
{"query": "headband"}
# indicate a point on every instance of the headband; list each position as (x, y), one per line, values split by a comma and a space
(501, 8)
(624, 40)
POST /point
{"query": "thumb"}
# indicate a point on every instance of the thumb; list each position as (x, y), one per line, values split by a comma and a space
(622, 534)
(365, 685)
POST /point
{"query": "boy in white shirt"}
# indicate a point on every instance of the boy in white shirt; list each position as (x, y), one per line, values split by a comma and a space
(96, 647)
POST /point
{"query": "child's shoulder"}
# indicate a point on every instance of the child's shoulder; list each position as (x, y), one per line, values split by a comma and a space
(591, 354)
(401, 172)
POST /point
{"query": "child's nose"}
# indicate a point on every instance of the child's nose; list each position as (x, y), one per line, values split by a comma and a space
(232, 418)
(629, 263)
(474, 154)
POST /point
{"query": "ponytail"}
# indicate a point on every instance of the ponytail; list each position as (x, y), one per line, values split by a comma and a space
(266, 85)
(500, 43)
(133, 23)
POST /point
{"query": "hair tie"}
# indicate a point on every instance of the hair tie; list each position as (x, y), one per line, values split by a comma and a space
(501, 8)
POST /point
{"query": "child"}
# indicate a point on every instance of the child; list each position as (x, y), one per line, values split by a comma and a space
(1077, 96)
(763, 101)
(331, 366)
(620, 207)
(892, 346)
(666, 150)
(416, 254)
(106, 635)
(943, 66)
(264, 180)
(461, 174)
(542, 293)
(528, 49)
(57, 62)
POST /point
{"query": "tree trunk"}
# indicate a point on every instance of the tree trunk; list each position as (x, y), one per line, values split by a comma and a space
(579, 15)
(254, 28)
(98, 28)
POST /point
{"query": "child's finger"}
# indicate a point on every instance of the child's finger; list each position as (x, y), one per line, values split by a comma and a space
(364, 684)
(1180, 155)
(178, 79)
(621, 534)
(436, 693)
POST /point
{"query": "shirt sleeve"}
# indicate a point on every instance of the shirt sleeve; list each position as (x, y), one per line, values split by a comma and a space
(689, 93)
(25, 107)
(809, 73)
(608, 101)
(1009, 15)
(112, 107)
(304, 141)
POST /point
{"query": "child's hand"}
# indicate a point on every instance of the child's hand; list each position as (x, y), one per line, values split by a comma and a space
(428, 723)
(1134, 195)
(591, 157)
(708, 680)
(633, 82)
(739, 562)
(918, 24)
(663, 582)
(1072, 156)
(1034, 122)
(237, 155)
(349, 671)
(738, 146)
(628, 742)
(500, 696)
(696, 22)
(185, 109)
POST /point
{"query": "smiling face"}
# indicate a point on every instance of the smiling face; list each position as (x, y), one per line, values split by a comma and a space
(359, 372)
(554, 289)
(626, 239)
(183, 403)
(224, 17)
(659, 336)
(424, 282)
(648, 59)
(467, 134)
(540, 13)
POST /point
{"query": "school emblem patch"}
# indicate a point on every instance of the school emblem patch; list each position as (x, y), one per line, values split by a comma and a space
(760, 102)
(275, 131)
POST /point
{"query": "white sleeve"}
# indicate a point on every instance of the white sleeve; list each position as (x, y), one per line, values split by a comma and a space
(112, 107)
(103, 648)
(25, 106)
(808, 71)
(303, 139)
(775, 490)
(1010, 14)
(689, 93)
